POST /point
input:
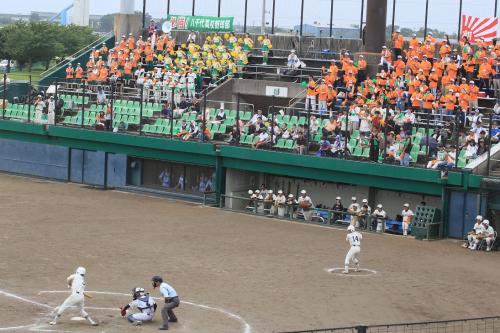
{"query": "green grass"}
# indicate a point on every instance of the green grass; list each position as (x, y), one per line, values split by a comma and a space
(24, 75)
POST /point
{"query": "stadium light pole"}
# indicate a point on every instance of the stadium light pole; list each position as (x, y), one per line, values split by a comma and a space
(393, 16)
(301, 17)
(4, 93)
(272, 19)
(361, 19)
(143, 14)
(426, 15)
(496, 7)
(263, 23)
(331, 19)
(168, 7)
(459, 20)
(218, 9)
(245, 17)
(192, 9)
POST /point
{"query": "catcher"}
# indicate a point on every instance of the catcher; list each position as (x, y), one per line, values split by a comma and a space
(144, 303)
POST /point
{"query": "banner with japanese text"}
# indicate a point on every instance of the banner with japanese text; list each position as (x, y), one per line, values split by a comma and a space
(200, 23)
(476, 28)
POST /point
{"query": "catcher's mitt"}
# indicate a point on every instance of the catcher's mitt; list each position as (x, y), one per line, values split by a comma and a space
(123, 312)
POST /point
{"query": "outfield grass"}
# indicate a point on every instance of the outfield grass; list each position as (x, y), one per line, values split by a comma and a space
(24, 74)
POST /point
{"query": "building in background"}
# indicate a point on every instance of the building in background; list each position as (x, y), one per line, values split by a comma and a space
(316, 31)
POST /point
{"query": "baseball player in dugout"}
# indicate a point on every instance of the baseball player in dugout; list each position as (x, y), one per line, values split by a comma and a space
(77, 284)
(142, 302)
(171, 301)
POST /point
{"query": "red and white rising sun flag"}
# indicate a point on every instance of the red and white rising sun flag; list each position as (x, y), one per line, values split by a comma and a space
(475, 28)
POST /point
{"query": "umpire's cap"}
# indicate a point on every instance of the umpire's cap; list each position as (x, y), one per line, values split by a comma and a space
(157, 278)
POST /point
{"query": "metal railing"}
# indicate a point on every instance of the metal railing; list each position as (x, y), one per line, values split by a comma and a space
(370, 222)
(473, 325)
(77, 54)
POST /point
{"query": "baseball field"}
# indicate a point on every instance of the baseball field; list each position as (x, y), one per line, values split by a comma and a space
(234, 272)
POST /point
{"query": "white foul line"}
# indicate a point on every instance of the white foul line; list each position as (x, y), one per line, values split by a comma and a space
(247, 327)
(25, 300)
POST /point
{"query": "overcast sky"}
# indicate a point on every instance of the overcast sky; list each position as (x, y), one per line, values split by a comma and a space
(443, 14)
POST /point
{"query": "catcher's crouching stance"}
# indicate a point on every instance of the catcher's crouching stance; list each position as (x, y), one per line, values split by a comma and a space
(144, 303)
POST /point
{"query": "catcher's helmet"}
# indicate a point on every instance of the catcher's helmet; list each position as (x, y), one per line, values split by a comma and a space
(80, 271)
(137, 292)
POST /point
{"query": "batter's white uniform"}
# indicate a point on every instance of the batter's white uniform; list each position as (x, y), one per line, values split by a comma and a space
(354, 239)
(145, 304)
(77, 284)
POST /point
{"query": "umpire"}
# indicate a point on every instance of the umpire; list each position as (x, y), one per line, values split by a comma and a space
(171, 301)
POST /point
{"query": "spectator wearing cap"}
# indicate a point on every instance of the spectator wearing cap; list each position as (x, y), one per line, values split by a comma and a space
(407, 214)
(397, 43)
(269, 200)
(280, 204)
(487, 234)
(364, 212)
(291, 204)
(473, 95)
(378, 218)
(322, 91)
(385, 58)
(353, 210)
(293, 61)
(311, 93)
(476, 230)
(305, 205)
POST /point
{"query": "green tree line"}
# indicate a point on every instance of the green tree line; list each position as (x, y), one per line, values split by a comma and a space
(31, 42)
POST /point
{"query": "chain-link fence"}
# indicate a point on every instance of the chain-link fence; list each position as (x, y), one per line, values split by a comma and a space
(474, 325)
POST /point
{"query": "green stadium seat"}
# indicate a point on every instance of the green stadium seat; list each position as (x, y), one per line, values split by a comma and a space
(247, 116)
(280, 144)
(301, 121)
(358, 151)
(222, 129)
(366, 153)
(289, 144)
(355, 134)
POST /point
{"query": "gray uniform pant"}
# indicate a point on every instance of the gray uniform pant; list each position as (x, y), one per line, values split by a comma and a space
(167, 311)
(496, 87)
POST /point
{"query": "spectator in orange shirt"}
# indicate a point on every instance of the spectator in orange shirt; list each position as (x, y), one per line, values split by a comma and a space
(361, 68)
(413, 42)
(399, 66)
(433, 82)
(473, 94)
(428, 103)
(484, 74)
(311, 94)
(426, 66)
(450, 101)
(322, 97)
(397, 43)
(385, 58)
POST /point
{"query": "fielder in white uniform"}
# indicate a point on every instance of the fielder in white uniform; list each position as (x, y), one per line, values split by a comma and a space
(144, 303)
(77, 284)
(354, 239)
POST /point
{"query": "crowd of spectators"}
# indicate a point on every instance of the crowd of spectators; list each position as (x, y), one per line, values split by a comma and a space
(422, 101)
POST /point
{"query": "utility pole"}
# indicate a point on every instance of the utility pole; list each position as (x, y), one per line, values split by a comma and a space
(263, 24)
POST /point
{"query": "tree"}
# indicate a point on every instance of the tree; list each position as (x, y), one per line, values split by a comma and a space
(42, 42)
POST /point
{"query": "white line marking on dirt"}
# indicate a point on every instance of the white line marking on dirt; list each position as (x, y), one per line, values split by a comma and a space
(338, 271)
(25, 300)
(13, 328)
(246, 326)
